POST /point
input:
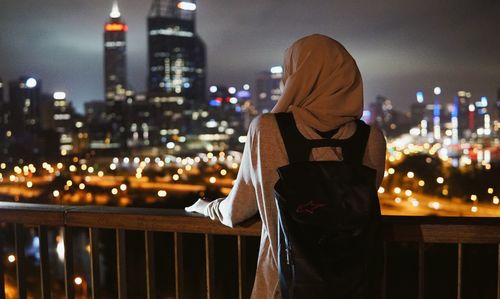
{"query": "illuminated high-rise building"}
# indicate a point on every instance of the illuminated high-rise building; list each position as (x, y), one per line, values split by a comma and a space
(117, 94)
(462, 105)
(24, 104)
(177, 59)
(391, 121)
(482, 118)
(454, 120)
(176, 53)
(58, 115)
(115, 57)
(418, 109)
(267, 89)
(26, 137)
(436, 112)
(96, 120)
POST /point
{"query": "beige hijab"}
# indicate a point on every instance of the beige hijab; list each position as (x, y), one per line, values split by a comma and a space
(322, 83)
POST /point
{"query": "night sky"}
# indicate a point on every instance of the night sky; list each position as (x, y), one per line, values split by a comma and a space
(400, 46)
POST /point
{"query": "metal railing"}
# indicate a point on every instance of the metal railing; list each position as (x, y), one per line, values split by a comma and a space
(397, 229)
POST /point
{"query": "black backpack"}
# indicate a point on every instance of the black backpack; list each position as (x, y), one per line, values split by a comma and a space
(329, 223)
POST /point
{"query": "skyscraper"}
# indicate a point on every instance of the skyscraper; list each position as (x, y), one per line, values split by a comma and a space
(95, 120)
(176, 75)
(115, 58)
(115, 69)
(176, 53)
(58, 116)
(267, 89)
(26, 138)
(463, 103)
(24, 104)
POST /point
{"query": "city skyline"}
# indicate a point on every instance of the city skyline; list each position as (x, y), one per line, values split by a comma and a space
(97, 202)
(459, 53)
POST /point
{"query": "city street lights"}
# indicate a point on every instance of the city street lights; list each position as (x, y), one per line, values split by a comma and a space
(81, 286)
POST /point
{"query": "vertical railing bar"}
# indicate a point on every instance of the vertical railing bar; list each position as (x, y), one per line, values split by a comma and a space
(179, 265)
(121, 265)
(20, 260)
(95, 274)
(44, 262)
(2, 269)
(498, 272)
(150, 264)
(421, 269)
(384, 272)
(241, 266)
(68, 262)
(459, 271)
(209, 265)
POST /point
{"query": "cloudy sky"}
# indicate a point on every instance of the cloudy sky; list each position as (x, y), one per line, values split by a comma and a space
(401, 46)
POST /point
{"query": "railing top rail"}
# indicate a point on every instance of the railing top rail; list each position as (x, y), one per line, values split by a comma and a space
(169, 220)
(437, 220)
(32, 214)
(429, 229)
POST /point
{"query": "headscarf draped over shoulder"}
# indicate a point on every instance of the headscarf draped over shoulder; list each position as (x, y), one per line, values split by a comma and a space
(322, 83)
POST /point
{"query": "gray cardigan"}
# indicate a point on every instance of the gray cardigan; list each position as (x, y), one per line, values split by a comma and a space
(253, 190)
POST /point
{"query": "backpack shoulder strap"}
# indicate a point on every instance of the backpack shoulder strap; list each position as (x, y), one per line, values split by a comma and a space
(295, 144)
(298, 148)
(354, 150)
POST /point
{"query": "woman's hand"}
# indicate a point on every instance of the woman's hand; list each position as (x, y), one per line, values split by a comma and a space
(200, 206)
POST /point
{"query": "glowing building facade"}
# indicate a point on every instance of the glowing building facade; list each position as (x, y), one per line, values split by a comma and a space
(25, 136)
(58, 115)
(176, 53)
(177, 57)
(117, 95)
(24, 103)
(267, 89)
(463, 103)
(418, 110)
(115, 58)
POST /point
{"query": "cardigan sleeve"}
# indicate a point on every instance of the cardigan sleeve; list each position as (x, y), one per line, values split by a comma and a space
(241, 202)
